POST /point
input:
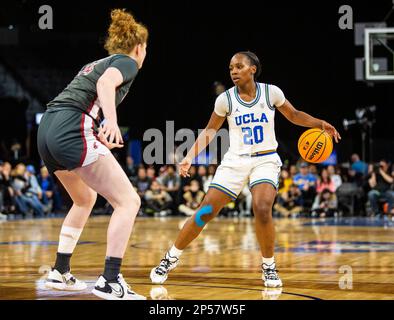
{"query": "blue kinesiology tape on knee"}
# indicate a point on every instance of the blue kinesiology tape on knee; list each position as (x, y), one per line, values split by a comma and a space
(203, 211)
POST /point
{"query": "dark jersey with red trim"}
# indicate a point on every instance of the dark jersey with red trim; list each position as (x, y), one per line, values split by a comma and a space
(81, 93)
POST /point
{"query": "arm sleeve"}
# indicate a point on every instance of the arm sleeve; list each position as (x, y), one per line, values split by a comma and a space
(221, 105)
(127, 67)
(277, 96)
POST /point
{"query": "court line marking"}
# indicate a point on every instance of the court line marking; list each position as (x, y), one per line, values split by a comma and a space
(239, 288)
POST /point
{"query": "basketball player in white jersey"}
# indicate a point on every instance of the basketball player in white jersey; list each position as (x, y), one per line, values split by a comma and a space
(249, 108)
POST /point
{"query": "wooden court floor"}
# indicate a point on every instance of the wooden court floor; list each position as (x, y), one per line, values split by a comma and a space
(317, 259)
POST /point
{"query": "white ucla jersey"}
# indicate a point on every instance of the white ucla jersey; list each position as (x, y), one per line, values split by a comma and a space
(251, 124)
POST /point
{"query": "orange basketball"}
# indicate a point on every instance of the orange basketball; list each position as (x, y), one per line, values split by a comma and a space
(315, 145)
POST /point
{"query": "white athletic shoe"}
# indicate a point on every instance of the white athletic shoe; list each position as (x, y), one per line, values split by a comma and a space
(159, 274)
(64, 282)
(270, 276)
(118, 290)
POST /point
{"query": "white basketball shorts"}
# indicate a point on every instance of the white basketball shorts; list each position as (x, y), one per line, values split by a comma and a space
(237, 170)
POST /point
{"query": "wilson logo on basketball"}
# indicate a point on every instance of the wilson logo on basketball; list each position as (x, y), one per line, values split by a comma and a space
(316, 151)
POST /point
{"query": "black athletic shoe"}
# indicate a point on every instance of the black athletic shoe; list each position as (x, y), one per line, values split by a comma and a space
(118, 290)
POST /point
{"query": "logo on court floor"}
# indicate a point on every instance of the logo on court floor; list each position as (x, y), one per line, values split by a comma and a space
(340, 247)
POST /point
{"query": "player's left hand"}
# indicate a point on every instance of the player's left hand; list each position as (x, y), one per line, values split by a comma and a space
(103, 139)
(184, 167)
(330, 129)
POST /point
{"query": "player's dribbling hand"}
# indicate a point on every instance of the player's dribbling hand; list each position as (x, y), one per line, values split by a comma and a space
(184, 167)
(330, 129)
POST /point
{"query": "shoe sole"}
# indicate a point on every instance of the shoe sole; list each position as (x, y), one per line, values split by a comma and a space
(273, 286)
(107, 296)
(153, 273)
(268, 285)
(62, 287)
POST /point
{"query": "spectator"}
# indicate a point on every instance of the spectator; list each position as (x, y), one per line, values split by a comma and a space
(193, 199)
(335, 177)
(185, 181)
(141, 182)
(171, 183)
(24, 198)
(284, 181)
(157, 200)
(202, 174)
(244, 202)
(7, 193)
(306, 182)
(130, 169)
(3, 186)
(358, 166)
(34, 187)
(211, 174)
(325, 182)
(380, 182)
(218, 88)
(162, 171)
(325, 204)
(151, 173)
(290, 203)
(293, 171)
(16, 148)
(51, 197)
(358, 170)
(313, 170)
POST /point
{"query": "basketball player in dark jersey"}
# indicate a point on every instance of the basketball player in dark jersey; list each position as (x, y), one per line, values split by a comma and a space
(75, 135)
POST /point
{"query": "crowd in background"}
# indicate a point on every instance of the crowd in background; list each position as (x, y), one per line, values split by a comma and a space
(24, 192)
(353, 188)
(304, 190)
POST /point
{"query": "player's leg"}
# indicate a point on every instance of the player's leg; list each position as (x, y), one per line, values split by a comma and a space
(108, 178)
(213, 202)
(263, 199)
(263, 184)
(83, 198)
(211, 205)
(228, 182)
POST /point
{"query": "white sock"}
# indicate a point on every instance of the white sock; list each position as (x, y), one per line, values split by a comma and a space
(174, 252)
(68, 239)
(269, 261)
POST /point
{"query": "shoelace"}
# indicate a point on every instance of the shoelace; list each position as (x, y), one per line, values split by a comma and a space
(164, 266)
(271, 274)
(69, 278)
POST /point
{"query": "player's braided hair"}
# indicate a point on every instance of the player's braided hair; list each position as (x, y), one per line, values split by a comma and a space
(124, 33)
(254, 61)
